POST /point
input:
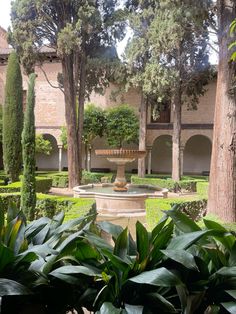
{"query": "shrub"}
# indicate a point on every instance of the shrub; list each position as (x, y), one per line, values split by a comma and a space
(195, 210)
(189, 185)
(28, 181)
(202, 189)
(94, 177)
(13, 119)
(122, 126)
(43, 185)
(162, 183)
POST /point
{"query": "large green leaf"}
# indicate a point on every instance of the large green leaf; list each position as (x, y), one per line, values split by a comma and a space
(6, 256)
(158, 300)
(226, 272)
(226, 238)
(110, 228)
(230, 306)
(184, 241)
(35, 226)
(121, 244)
(133, 309)
(108, 308)
(182, 221)
(159, 277)
(232, 293)
(142, 240)
(98, 242)
(41, 236)
(182, 257)
(17, 236)
(70, 273)
(86, 251)
(119, 263)
(10, 287)
(158, 228)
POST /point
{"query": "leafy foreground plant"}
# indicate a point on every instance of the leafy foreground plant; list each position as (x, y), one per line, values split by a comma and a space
(28, 252)
(177, 268)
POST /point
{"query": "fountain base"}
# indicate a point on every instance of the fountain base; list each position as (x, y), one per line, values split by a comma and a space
(120, 203)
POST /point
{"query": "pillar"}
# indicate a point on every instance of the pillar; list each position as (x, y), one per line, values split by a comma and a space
(60, 157)
(149, 158)
(182, 160)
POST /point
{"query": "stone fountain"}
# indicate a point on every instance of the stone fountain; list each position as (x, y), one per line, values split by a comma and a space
(120, 198)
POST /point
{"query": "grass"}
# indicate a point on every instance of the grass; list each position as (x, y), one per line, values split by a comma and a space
(155, 208)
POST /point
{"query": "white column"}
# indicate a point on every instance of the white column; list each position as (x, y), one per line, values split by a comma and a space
(60, 157)
(149, 156)
(181, 160)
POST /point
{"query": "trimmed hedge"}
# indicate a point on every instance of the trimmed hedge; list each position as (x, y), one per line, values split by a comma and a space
(173, 186)
(194, 207)
(43, 185)
(202, 189)
(49, 205)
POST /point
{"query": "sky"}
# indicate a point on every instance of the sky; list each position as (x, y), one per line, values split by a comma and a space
(5, 22)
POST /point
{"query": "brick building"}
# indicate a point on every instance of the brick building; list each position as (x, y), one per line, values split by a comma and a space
(197, 126)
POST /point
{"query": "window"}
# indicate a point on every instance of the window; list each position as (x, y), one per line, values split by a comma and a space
(160, 114)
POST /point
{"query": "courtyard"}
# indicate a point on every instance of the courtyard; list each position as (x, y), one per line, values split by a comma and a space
(117, 157)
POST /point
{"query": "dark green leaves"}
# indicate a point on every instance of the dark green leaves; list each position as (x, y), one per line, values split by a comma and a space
(158, 277)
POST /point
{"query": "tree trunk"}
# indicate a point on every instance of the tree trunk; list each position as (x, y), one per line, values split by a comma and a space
(176, 164)
(142, 136)
(81, 98)
(70, 110)
(222, 190)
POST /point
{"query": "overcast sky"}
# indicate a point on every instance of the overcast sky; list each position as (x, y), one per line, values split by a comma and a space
(5, 21)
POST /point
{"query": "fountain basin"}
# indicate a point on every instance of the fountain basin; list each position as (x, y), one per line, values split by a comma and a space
(110, 202)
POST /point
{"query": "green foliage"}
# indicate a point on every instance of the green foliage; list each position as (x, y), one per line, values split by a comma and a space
(13, 119)
(190, 270)
(202, 189)
(168, 49)
(233, 44)
(42, 146)
(43, 185)
(122, 126)
(94, 123)
(1, 122)
(28, 188)
(63, 137)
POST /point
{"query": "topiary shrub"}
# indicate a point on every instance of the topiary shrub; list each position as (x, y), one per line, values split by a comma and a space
(171, 185)
(28, 181)
(195, 210)
(13, 119)
(202, 189)
(43, 184)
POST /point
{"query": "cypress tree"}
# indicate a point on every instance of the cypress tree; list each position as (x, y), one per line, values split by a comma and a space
(28, 190)
(13, 119)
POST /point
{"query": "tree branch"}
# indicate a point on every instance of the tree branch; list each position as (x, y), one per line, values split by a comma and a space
(213, 48)
(47, 79)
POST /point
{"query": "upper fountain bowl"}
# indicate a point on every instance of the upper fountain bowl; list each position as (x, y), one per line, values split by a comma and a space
(121, 153)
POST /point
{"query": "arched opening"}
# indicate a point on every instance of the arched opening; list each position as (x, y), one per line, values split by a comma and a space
(48, 162)
(197, 155)
(162, 154)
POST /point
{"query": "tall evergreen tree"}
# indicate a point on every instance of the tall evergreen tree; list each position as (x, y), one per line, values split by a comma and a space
(13, 119)
(83, 34)
(28, 190)
(169, 57)
(222, 191)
